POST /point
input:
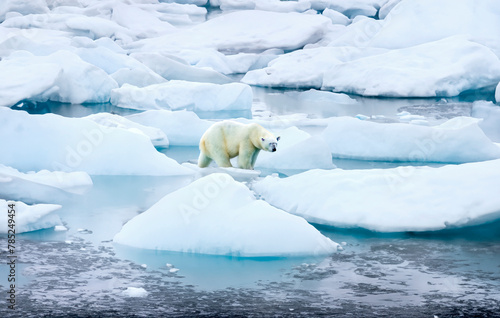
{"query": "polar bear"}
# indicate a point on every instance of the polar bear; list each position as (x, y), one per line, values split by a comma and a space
(228, 139)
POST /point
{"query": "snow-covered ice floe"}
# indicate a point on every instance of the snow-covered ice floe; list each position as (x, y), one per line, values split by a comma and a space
(391, 200)
(29, 217)
(457, 140)
(217, 215)
(53, 142)
(175, 95)
(41, 186)
(183, 128)
(446, 67)
(243, 31)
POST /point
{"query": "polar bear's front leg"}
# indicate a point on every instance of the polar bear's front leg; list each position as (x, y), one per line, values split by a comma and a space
(245, 157)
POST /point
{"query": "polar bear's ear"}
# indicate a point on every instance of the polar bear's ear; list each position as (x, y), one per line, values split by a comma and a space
(278, 138)
(263, 139)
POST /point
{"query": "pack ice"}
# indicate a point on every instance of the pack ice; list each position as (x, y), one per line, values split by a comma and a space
(391, 200)
(217, 215)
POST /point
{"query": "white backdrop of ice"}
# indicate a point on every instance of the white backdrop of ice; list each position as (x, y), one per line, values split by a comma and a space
(53, 142)
(458, 140)
(175, 95)
(29, 217)
(217, 215)
(391, 200)
(183, 128)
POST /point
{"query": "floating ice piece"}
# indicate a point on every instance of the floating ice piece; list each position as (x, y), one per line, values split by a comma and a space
(305, 68)
(157, 136)
(134, 292)
(391, 200)
(443, 68)
(217, 215)
(336, 17)
(42, 186)
(297, 150)
(23, 7)
(78, 144)
(458, 140)
(175, 95)
(490, 115)
(173, 68)
(29, 217)
(144, 24)
(183, 128)
(243, 31)
(351, 9)
(60, 228)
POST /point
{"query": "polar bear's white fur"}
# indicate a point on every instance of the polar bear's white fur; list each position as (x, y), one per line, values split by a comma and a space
(228, 139)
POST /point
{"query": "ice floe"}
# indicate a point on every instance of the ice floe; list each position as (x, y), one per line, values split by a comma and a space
(391, 200)
(53, 142)
(183, 128)
(175, 95)
(446, 67)
(29, 217)
(157, 136)
(217, 215)
(458, 140)
(490, 115)
(297, 150)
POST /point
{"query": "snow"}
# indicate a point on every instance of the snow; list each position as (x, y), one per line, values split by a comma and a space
(183, 128)
(29, 217)
(457, 140)
(247, 32)
(217, 215)
(391, 200)
(134, 292)
(41, 186)
(297, 150)
(175, 95)
(443, 68)
(157, 136)
(490, 115)
(78, 144)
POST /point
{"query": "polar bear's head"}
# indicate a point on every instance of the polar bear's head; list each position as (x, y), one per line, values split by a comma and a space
(269, 143)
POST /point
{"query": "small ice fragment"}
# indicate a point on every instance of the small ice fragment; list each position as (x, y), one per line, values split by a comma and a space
(144, 265)
(362, 117)
(68, 242)
(174, 270)
(169, 265)
(344, 243)
(134, 292)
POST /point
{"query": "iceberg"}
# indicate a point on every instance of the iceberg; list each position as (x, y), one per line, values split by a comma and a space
(217, 215)
(443, 68)
(391, 200)
(29, 217)
(78, 144)
(175, 95)
(183, 128)
(157, 136)
(457, 140)
(297, 150)
(247, 33)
